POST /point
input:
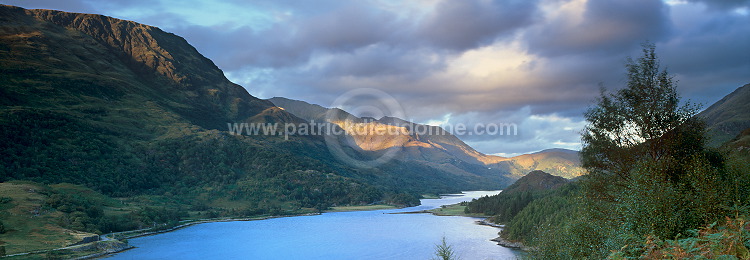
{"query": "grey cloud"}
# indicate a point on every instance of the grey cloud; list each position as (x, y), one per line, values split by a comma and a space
(717, 43)
(710, 56)
(461, 25)
(723, 4)
(608, 27)
(381, 60)
(294, 42)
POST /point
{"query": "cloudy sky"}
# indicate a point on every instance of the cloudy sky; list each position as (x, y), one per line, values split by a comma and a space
(537, 64)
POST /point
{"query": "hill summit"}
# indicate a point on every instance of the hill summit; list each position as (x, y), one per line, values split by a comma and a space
(536, 181)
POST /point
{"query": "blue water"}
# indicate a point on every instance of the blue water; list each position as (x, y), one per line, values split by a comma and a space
(340, 235)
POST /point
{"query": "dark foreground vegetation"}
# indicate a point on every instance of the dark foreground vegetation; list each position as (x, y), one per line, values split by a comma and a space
(653, 189)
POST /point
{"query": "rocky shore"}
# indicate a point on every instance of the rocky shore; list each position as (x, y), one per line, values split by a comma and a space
(509, 244)
(104, 248)
(500, 240)
(484, 222)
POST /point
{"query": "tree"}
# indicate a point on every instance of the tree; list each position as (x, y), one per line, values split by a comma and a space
(630, 125)
(649, 173)
(444, 251)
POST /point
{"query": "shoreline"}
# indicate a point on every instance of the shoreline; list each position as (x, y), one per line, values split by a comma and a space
(203, 221)
(372, 207)
(102, 254)
(510, 244)
(108, 245)
(500, 240)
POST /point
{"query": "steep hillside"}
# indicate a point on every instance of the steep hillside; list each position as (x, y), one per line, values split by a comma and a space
(94, 100)
(728, 117)
(108, 59)
(307, 111)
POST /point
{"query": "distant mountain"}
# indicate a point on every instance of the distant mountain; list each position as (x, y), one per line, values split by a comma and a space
(437, 147)
(728, 117)
(430, 146)
(560, 162)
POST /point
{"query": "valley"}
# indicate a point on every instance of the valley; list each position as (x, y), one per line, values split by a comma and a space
(137, 118)
(116, 134)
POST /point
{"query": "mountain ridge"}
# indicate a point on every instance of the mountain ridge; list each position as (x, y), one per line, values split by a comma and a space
(437, 146)
(165, 61)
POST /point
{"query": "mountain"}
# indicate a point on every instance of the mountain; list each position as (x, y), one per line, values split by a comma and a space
(130, 110)
(127, 109)
(433, 145)
(728, 117)
(536, 181)
(114, 60)
(559, 162)
(121, 109)
(428, 146)
(420, 142)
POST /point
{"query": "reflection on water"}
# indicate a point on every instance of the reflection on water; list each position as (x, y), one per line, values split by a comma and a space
(341, 235)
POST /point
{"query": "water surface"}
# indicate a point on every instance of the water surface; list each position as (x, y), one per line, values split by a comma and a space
(339, 235)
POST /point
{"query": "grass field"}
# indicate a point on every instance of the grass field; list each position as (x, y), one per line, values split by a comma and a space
(454, 210)
(32, 224)
(29, 226)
